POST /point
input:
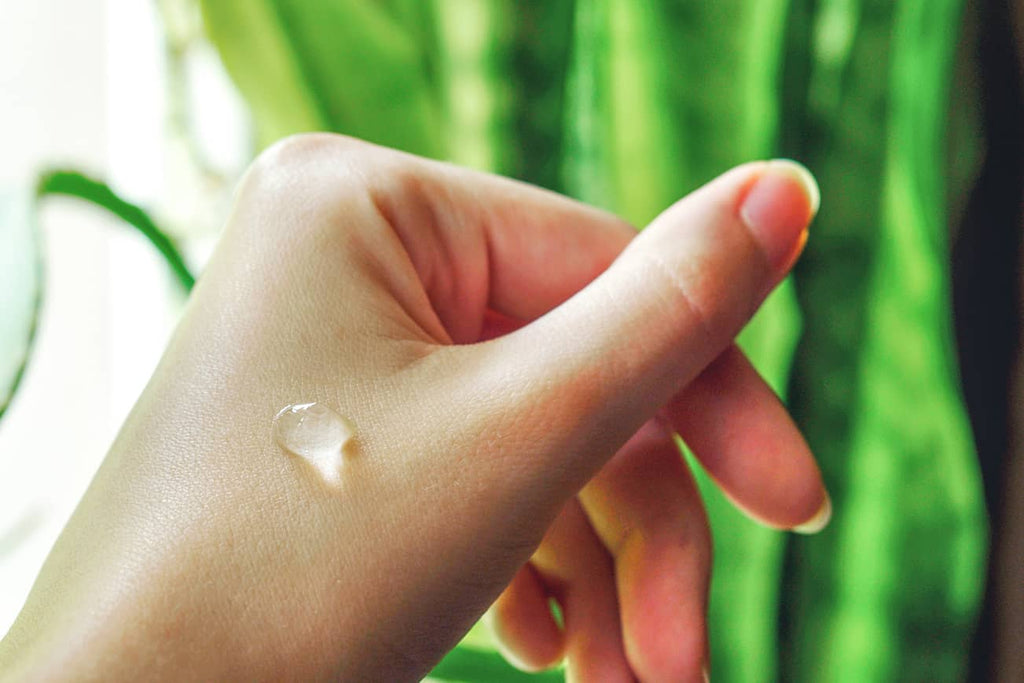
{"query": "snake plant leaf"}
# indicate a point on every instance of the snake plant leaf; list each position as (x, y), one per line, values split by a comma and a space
(836, 103)
(347, 66)
(503, 90)
(891, 590)
(20, 288)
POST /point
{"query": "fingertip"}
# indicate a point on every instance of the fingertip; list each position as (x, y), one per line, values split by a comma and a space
(663, 584)
(777, 208)
(805, 178)
(818, 521)
(523, 627)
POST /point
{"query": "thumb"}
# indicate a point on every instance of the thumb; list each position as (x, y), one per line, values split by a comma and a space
(601, 364)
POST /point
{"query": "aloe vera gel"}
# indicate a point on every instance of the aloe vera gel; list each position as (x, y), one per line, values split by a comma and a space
(316, 434)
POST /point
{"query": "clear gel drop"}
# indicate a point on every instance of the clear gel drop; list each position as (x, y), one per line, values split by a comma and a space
(316, 434)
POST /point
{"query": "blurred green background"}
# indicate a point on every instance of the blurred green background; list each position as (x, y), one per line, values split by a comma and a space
(630, 105)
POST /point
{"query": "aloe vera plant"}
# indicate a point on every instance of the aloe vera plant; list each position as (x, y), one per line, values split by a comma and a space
(20, 288)
(21, 268)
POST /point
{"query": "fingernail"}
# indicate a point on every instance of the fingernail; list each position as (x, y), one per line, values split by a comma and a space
(707, 678)
(819, 521)
(777, 209)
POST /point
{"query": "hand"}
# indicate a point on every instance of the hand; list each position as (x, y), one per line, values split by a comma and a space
(494, 346)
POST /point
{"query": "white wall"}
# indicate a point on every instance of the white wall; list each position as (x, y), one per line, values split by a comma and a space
(80, 85)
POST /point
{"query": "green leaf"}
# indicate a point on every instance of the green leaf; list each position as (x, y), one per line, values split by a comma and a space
(74, 184)
(890, 590)
(503, 68)
(21, 266)
(472, 666)
(347, 66)
(20, 289)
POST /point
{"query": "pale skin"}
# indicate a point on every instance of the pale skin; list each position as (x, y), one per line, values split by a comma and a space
(515, 364)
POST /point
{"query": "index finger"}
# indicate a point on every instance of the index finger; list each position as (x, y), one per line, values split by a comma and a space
(748, 444)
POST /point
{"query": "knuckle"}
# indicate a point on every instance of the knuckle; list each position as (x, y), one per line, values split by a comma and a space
(308, 185)
(324, 170)
(316, 169)
(305, 149)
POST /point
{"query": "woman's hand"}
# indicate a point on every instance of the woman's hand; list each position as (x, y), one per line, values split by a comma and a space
(514, 364)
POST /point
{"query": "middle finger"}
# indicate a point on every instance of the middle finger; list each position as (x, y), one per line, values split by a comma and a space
(645, 506)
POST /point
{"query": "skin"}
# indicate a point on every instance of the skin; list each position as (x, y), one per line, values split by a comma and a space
(515, 364)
